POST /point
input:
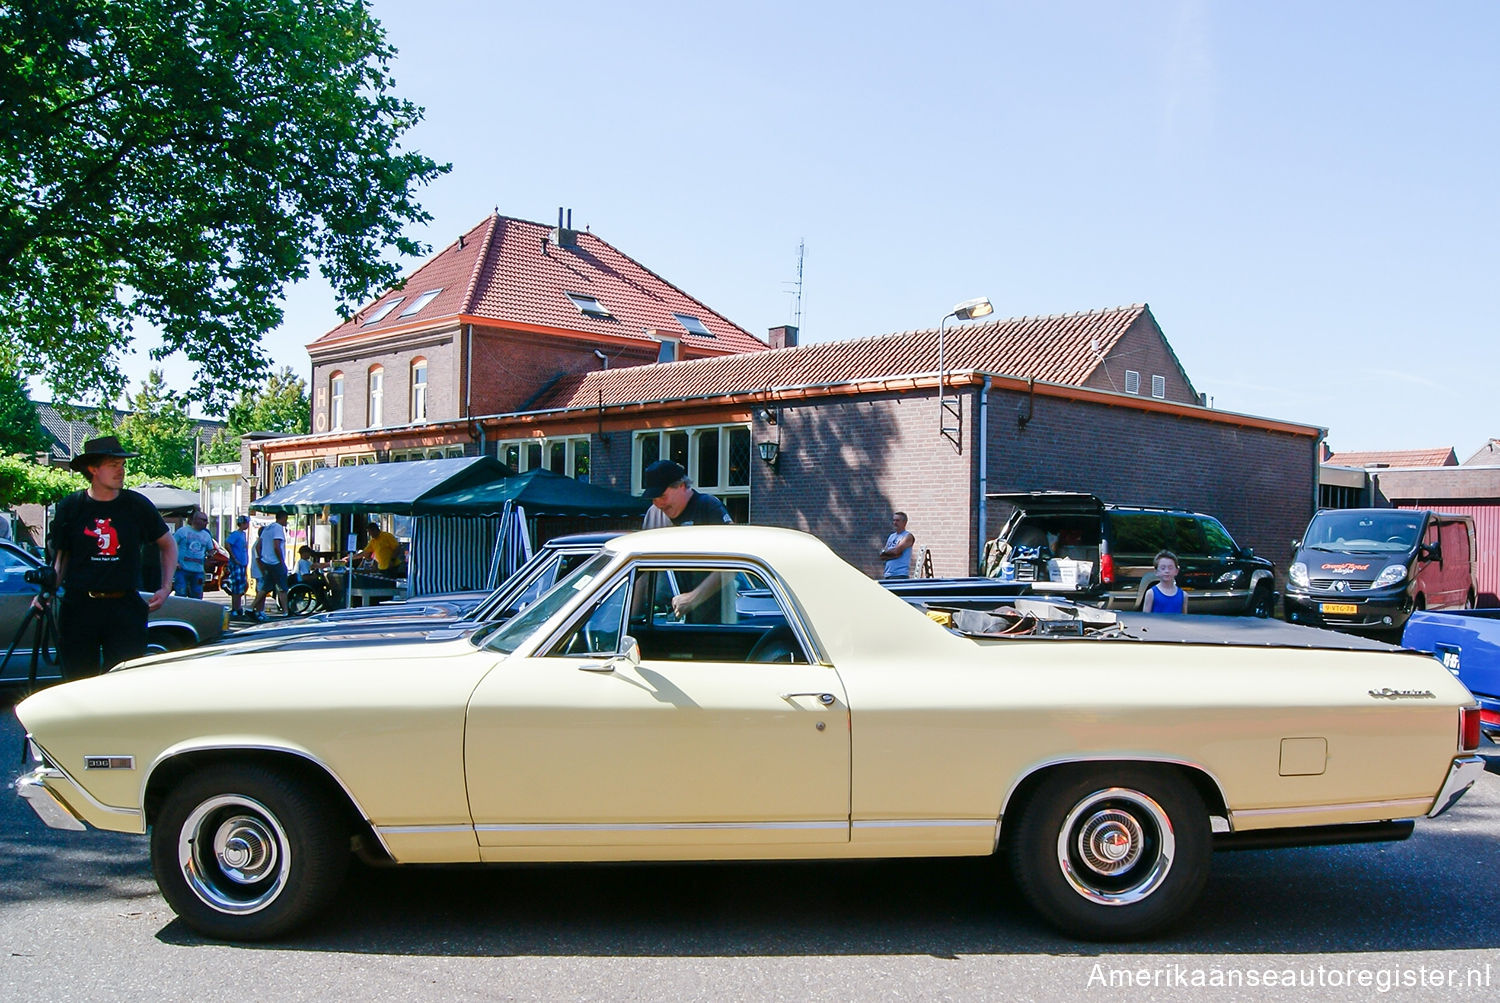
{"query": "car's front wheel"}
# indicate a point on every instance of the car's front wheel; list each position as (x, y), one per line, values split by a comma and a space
(246, 852)
(1263, 602)
(1112, 853)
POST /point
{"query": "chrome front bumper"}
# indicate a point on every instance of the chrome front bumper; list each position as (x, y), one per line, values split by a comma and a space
(33, 789)
(1461, 776)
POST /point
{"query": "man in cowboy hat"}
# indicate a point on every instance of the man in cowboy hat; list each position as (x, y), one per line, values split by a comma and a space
(96, 537)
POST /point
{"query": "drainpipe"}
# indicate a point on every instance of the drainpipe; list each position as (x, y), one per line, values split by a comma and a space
(983, 426)
(468, 370)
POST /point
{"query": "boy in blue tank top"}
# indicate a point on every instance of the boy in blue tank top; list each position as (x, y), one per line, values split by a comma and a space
(1165, 596)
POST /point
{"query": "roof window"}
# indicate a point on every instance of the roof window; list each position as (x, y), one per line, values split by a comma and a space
(588, 305)
(420, 302)
(382, 310)
(692, 325)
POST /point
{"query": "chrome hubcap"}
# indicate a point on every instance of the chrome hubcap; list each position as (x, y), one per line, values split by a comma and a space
(234, 854)
(1116, 846)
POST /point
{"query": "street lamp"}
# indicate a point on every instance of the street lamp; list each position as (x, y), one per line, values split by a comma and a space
(980, 306)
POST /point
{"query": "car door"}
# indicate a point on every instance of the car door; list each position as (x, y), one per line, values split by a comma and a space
(683, 738)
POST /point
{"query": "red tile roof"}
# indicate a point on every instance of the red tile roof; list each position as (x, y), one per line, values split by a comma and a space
(1064, 348)
(1395, 458)
(508, 271)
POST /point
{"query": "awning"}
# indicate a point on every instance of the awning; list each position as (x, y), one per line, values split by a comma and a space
(169, 500)
(380, 487)
(540, 492)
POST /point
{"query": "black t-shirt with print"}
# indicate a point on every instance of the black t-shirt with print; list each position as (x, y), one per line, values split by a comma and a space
(103, 540)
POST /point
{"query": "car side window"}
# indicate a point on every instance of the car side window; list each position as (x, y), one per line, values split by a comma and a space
(687, 614)
(1140, 533)
(1218, 542)
(601, 628)
(1187, 532)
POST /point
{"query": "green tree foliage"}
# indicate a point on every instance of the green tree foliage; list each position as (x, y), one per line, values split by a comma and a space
(20, 428)
(26, 482)
(179, 162)
(280, 405)
(158, 427)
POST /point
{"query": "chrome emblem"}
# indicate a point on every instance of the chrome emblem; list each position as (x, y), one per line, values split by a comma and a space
(1387, 693)
(1339, 585)
(109, 762)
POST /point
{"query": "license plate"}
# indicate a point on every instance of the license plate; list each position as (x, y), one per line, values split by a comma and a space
(1345, 608)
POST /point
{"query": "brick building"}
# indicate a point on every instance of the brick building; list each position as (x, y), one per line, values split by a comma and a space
(1091, 401)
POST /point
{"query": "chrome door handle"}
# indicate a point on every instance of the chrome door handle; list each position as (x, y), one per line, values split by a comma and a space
(608, 666)
(826, 699)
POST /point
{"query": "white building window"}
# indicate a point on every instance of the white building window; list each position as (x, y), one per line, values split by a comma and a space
(1132, 381)
(377, 398)
(1159, 387)
(567, 455)
(419, 390)
(717, 458)
(336, 401)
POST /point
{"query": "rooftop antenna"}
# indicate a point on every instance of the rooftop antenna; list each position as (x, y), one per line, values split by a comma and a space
(796, 290)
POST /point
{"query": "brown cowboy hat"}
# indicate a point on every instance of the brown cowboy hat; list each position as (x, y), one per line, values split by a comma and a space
(95, 450)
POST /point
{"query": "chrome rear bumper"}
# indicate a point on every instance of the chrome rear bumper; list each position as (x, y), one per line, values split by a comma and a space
(1461, 776)
(33, 789)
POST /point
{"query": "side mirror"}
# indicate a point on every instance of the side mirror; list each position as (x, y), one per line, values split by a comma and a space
(1430, 552)
(1246, 552)
(630, 650)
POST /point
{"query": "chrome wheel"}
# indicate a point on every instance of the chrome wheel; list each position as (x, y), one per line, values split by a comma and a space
(1116, 846)
(234, 854)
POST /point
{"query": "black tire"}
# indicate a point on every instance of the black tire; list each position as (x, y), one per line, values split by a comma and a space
(247, 852)
(301, 600)
(1112, 852)
(1263, 602)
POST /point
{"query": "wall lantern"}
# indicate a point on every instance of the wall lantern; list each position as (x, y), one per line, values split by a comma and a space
(770, 451)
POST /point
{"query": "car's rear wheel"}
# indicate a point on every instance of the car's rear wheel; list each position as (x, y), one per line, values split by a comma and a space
(247, 852)
(1112, 853)
(163, 640)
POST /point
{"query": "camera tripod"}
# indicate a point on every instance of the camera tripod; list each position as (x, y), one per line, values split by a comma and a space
(41, 620)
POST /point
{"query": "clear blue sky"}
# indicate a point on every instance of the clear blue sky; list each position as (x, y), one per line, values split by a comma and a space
(1304, 192)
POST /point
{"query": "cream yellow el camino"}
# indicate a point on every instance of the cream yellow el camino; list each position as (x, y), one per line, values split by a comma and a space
(644, 710)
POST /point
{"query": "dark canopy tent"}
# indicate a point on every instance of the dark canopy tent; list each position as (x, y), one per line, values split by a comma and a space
(379, 487)
(539, 492)
(515, 501)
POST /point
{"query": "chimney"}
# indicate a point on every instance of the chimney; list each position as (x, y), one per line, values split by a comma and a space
(564, 235)
(784, 336)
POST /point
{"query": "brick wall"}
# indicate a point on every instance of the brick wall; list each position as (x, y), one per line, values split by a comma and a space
(1258, 483)
(441, 351)
(1144, 350)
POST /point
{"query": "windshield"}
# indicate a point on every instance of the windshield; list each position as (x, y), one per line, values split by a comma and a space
(520, 589)
(508, 638)
(1391, 531)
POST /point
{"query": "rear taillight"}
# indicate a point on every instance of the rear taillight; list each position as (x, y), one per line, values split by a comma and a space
(1468, 728)
(1106, 569)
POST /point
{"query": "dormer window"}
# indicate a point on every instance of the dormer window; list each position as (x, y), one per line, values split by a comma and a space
(669, 351)
(588, 305)
(420, 302)
(692, 325)
(382, 310)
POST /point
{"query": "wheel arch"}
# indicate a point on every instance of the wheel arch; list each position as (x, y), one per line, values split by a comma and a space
(178, 764)
(1200, 777)
(178, 630)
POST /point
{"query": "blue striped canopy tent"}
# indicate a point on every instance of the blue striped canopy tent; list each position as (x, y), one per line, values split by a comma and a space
(380, 487)
(399, 488)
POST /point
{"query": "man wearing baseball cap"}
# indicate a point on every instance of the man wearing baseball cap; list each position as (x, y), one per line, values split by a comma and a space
(96, 539)
(672, 493)
(237, 577)
(671, 490)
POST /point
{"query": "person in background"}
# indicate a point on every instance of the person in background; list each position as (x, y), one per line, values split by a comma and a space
(1165, 596)
(96, 537)
(671, 491)
(383, 550)
(194, 544)
(898, 547)
(270, 563)
(236, 577)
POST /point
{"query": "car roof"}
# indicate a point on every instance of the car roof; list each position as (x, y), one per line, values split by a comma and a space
(596, 538)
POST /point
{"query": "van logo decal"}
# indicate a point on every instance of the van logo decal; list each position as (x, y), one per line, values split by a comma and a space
(1347, 568)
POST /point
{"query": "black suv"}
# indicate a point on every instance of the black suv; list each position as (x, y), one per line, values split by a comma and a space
(1074, 545)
